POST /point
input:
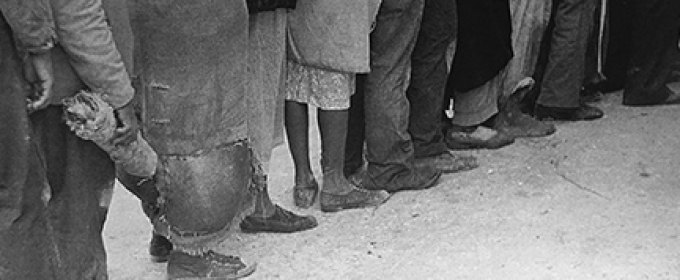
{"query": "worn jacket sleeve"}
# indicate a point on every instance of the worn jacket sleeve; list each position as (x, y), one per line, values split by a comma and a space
(32, 24)
(82, 30)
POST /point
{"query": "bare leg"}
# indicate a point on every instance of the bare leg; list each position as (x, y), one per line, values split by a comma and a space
(297, 129)
(333, 128)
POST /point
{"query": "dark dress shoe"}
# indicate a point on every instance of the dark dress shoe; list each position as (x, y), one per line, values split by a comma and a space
(159, 248)
(282, 221)
(581, 113)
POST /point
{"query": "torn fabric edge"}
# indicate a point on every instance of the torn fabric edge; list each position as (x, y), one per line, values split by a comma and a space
(198, 243)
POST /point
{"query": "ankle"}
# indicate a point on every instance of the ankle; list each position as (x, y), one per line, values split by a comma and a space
(264, 207)
(304, 178)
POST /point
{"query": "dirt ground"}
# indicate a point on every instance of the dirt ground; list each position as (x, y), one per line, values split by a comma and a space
(597, 200)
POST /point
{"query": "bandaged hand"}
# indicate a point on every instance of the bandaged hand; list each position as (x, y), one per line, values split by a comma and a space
(127, 126)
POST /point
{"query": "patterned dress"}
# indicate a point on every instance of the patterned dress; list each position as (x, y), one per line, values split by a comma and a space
(325, 89)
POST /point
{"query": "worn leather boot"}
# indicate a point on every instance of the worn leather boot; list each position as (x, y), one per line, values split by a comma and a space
(448, 162)
(512, 121)
(355, 198)
(413, 179)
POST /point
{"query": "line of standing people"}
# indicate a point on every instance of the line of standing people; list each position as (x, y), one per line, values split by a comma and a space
(212, 79)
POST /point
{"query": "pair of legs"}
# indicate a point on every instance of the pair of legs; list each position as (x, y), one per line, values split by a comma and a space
(333, 129)
(379, 113)
(338, 193)
(565, 71)
(429, 72)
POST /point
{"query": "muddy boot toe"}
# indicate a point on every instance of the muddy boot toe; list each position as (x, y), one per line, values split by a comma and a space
(356, 198)
(448, 162)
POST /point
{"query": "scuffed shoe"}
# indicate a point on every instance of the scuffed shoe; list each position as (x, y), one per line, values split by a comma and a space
(209, 265)
(281, 221)
(515, 123)
(480, 138)
(522, 125)
(591, 96)
(416, 178)
(159, 248)
(356, 198)
(448, 162)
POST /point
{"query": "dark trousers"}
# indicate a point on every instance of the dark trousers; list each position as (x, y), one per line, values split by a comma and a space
(62, 186)
(618, 45)
(383, 119)
(429, 73)
(565, 69)
(654, 46)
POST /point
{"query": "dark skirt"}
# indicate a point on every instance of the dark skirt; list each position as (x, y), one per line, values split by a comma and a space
(484, 44)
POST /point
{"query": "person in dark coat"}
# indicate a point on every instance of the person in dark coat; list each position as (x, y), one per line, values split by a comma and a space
(653, 51)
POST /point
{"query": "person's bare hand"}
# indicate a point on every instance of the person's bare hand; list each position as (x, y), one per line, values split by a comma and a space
(128, 125)
(40, 76)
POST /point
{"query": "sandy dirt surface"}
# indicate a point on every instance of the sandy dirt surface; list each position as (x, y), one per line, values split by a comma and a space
(597, 200)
